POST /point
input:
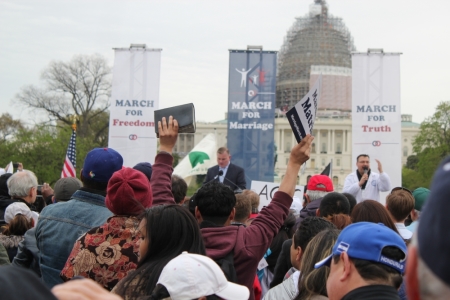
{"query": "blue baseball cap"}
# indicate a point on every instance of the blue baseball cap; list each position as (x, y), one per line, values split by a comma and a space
(366, 240)
(101, 163)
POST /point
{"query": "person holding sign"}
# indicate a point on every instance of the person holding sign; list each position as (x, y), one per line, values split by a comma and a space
(364, 183)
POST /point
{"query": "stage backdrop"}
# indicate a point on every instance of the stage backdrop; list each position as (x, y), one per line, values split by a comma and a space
(134, 97)
(376, 113)
(251, 112)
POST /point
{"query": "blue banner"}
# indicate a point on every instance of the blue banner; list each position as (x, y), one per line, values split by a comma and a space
(251, 112)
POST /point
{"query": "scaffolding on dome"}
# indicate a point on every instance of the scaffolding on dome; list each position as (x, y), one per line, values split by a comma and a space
(321, 40)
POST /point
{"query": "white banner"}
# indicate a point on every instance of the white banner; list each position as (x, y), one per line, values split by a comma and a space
(197, 162)
(134, 97)
(376, 112)
(266, 191)
(302, 116)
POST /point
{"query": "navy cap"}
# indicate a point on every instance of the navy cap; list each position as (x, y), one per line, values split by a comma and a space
(101, 163)
(366, 240)
(145, 168)
(434, 223)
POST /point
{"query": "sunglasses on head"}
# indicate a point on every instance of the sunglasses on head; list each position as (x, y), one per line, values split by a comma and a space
(399, 188)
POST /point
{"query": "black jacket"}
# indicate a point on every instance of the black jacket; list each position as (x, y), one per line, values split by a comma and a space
(373, 292)
(234, 178)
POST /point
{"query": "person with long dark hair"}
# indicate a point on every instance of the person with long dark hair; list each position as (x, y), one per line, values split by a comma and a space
(374, 212)
(166, 231)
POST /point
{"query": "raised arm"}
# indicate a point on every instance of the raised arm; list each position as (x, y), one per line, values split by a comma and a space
(161, 180)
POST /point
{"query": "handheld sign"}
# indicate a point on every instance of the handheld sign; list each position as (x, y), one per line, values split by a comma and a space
(266, 191)
(302, 116)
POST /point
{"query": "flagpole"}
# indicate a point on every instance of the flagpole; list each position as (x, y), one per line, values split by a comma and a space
(74, 119)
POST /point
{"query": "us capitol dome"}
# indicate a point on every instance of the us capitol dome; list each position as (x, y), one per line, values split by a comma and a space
(317, 43)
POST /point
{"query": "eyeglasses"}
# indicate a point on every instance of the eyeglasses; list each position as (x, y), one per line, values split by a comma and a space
(399, 188)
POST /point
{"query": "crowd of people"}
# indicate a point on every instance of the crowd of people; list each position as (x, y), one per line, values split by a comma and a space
(131, 233)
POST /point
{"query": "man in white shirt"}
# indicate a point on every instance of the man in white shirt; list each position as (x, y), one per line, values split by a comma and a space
(365, 184)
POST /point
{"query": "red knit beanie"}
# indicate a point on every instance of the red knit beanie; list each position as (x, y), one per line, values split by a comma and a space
(128, 192)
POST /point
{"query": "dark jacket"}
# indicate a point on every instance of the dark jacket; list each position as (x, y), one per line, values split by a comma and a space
(283, 264)
(18, 284)
(11, 243)
(4, 259)
(27, 253)
(234, 178)
(4, 202)
(308, 211)
(248, 243)
(373, 292)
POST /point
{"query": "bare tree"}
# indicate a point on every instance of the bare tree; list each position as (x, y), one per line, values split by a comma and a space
(81, 86)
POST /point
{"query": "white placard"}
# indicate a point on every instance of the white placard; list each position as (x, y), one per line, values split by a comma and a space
(302, 116)
(266, 191)
(134, 97)
(376, 112)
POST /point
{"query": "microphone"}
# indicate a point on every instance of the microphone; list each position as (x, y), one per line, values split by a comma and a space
(215, 177)
(238, 190)
(366, 170)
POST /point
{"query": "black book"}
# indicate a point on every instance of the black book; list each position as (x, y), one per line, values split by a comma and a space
(184, 114)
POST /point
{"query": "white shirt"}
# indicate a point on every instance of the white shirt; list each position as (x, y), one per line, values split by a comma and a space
(375, 184)
(405, 233)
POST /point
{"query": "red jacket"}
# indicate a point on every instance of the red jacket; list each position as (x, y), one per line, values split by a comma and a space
(248, 243)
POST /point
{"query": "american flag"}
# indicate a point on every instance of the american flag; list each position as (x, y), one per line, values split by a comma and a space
(70, 162)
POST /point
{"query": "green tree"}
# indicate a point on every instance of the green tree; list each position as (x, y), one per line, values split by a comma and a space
(42, 149)
(432, 143)
(412, 179)
(8, 127)
(81, 86)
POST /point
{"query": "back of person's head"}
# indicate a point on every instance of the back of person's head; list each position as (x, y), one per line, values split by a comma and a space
(314, 281)
(377, 253)
(420, 197)
(65, 188)
(308, 229)
(19, 219)
(318, 186)
(145, 168)
(3, 185)
(286, 232)
(400, 204)
(215, 202)
(254, 200)
(169, 230)
(243, 208)
(99, 165)
(351, 200)
(179, 188)
(372, 211)
(20, 183)
(335, 208)
(333, 204)
(192, 276)
(128, 193)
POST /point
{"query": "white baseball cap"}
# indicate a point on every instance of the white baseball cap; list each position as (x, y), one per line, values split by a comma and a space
(17, 208)
(191, 276)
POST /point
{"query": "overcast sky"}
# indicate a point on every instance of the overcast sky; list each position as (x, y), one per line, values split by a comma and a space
(195, 36)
